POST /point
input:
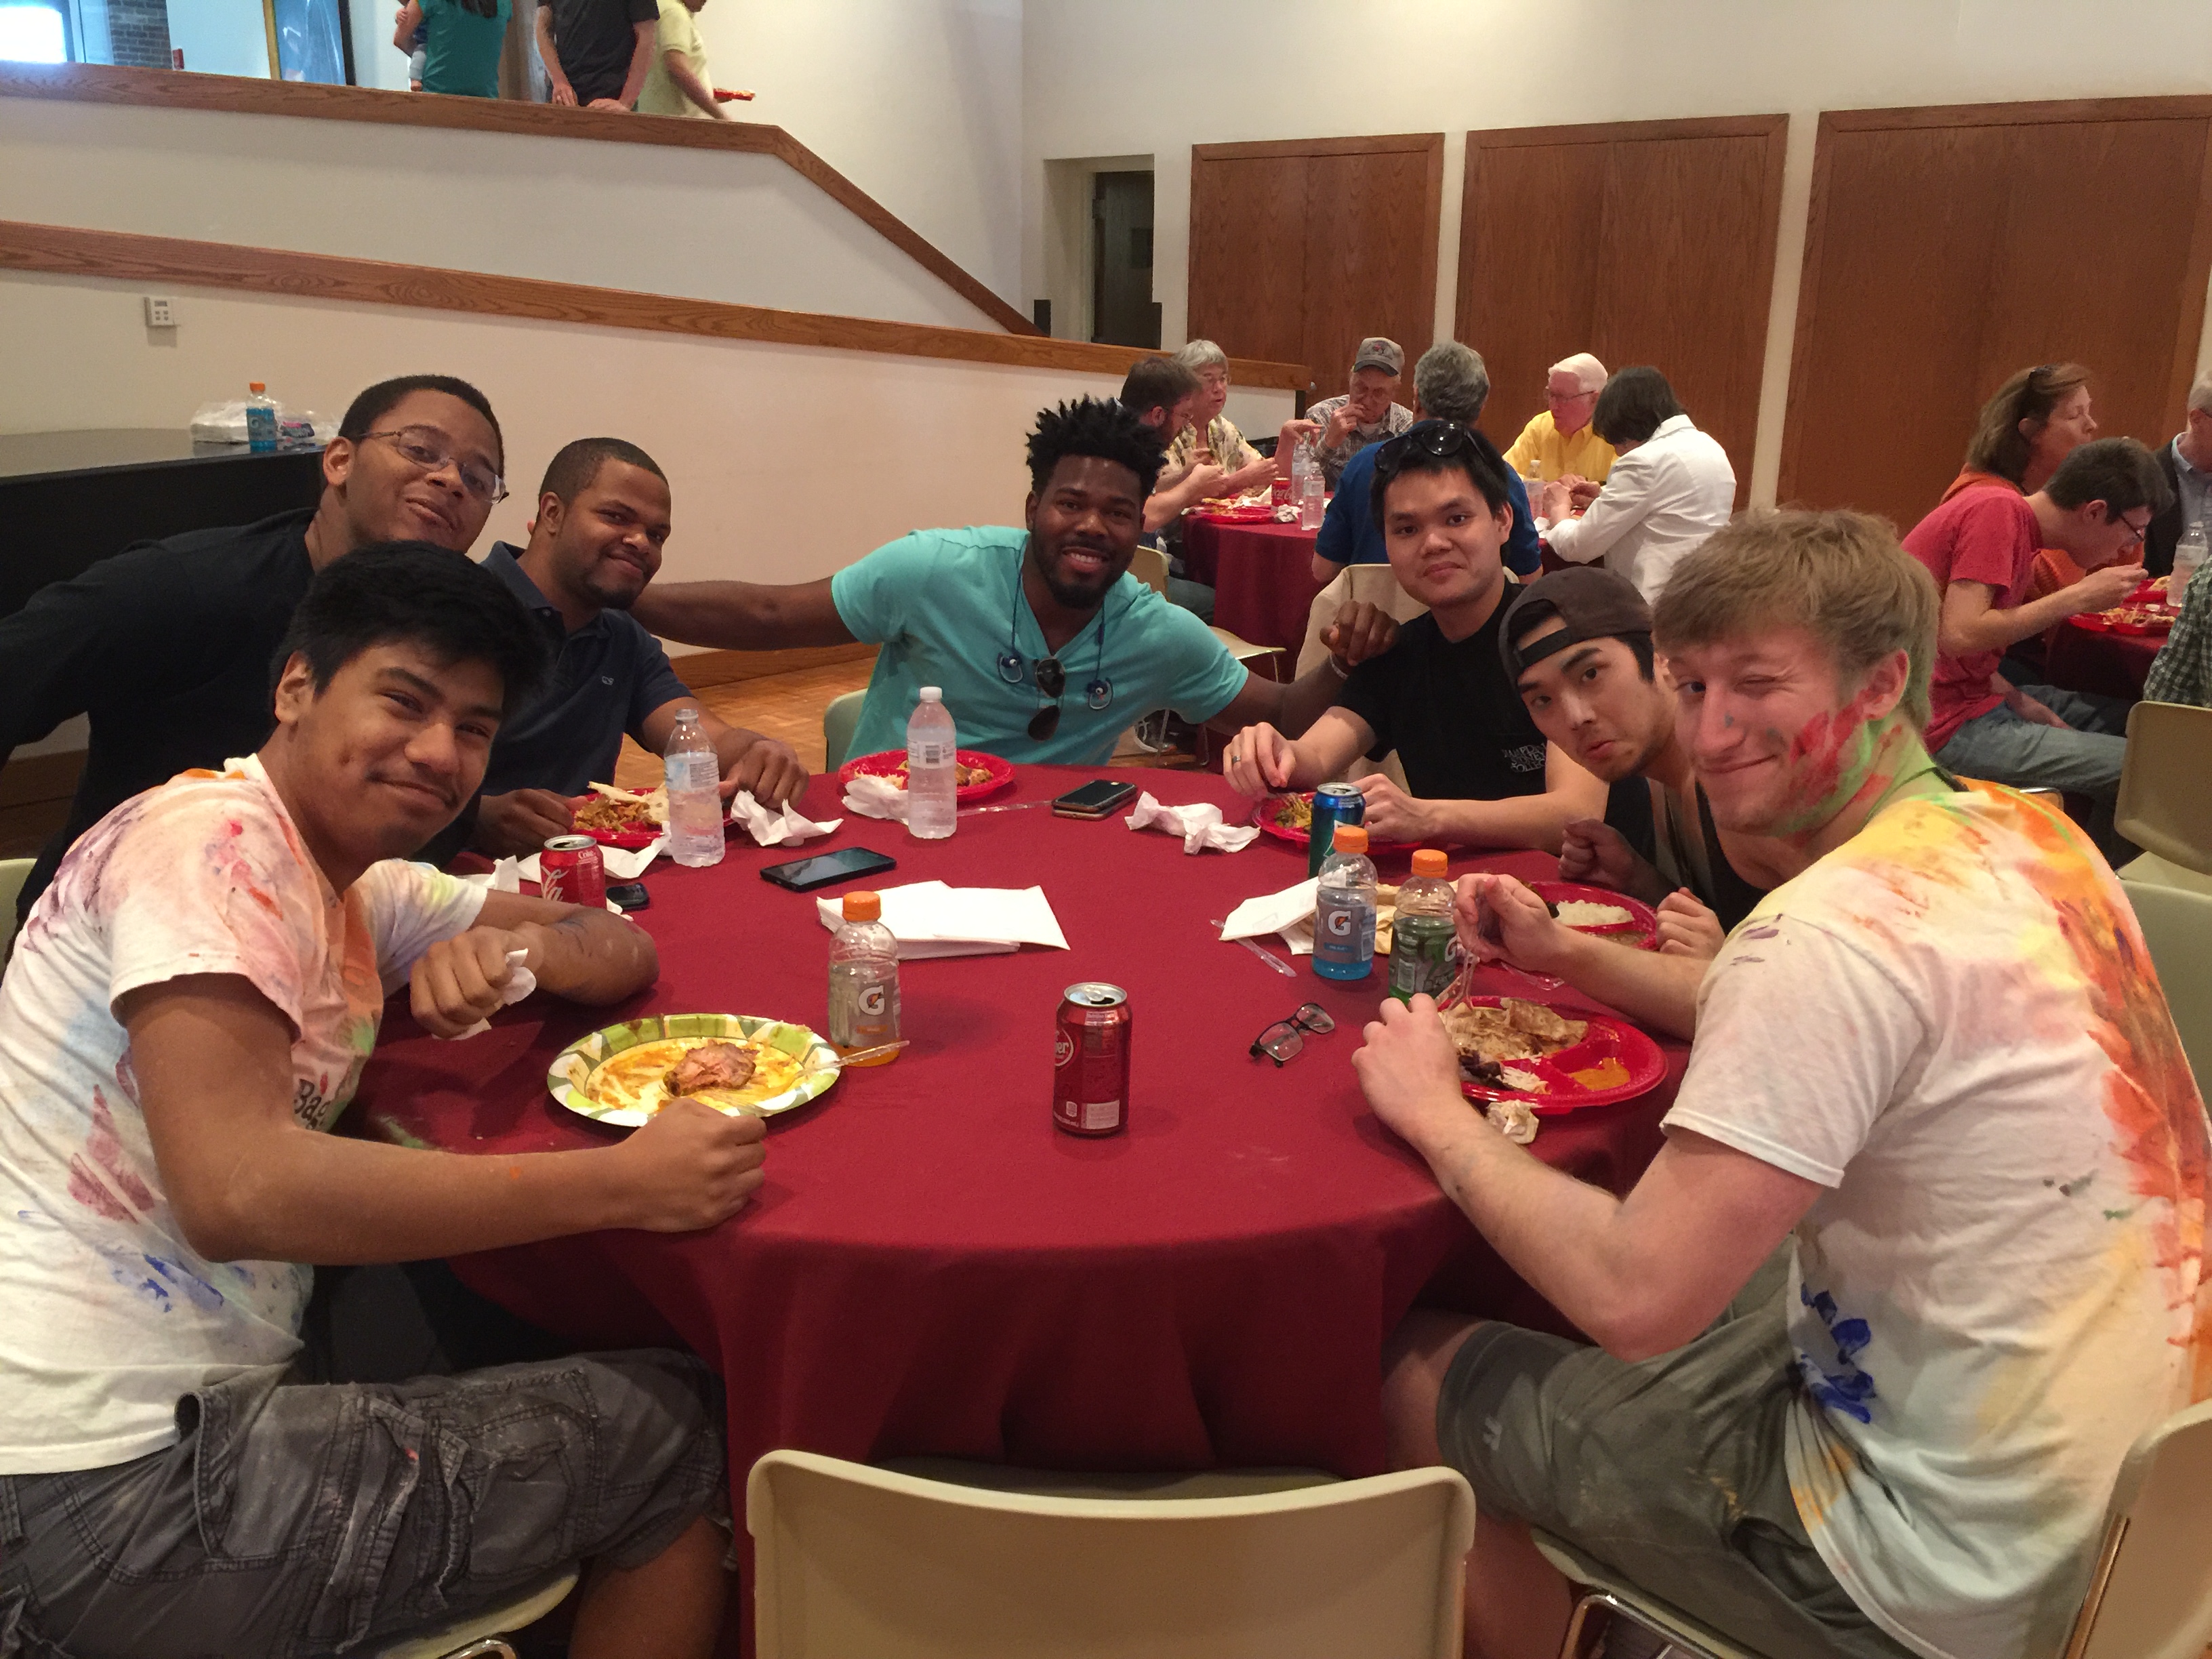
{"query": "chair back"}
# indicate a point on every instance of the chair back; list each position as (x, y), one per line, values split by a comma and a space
(839, 721)
(1149, 565)
(859, 1563)
(2177, 926)
(2164, 806)
(2151, 1594)
(13, 873)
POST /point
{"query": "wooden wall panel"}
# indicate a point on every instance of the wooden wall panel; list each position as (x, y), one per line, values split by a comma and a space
(1645, 242)
(1310, 245)
(1948, 247)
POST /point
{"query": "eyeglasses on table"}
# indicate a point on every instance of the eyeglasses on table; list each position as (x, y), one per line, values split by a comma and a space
(1282, 1041)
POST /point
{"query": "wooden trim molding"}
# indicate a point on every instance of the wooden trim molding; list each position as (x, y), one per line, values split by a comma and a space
(1383, 145)
(102, 83)
(2188, 107)
(60, 250)
(1611, 133)
(700, 669)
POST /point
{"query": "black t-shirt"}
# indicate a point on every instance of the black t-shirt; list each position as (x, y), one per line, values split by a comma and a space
(1447, 708)
(595, 40)
(1628, 809)
(167, 646)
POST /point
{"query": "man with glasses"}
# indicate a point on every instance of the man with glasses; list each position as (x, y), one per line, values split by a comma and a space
(1980, 547)
(1558, 445)
(603, 518)
(167, 646)
(1480, 772)
(1046, 647)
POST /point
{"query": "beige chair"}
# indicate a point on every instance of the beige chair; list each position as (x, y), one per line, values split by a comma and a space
(2164, 806)
(13, 873)
(1150, 566)
(2177, 925)
(2150, 1597)
(479, 1638)
(839, 721)
(857, 1563)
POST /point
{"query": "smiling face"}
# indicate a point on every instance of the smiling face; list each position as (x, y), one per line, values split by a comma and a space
(1570, 406)
(1444, 540)
(1084, 528)
(384, 756)
(605, 545)
(386, 495)
(1592, 700)
(1212, 393)
(2068, 427)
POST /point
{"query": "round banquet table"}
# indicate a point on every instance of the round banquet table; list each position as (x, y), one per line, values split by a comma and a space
(2098, 661)
(1261, 575)
(932, 1269)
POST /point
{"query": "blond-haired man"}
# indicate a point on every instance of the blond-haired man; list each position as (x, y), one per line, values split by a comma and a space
(1558, 444)
(1923, 1253)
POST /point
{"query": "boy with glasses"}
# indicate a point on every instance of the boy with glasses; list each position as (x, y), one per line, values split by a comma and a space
(166, 644)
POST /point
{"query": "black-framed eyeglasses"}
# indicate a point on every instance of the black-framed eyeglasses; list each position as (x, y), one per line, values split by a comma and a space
(1282, 1041)
(1052, 680)
(426, 448)
(2135, 532)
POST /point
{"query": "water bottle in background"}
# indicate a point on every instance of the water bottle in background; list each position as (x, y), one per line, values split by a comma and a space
(2188, 554)
(1421, 936)
(1312, 489)
(1344, 908)
(864, 980)
(694, 771)
(260, 417)
(933, 809)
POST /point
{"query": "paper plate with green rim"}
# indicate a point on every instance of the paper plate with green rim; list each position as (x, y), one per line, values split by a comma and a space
(569, 1076)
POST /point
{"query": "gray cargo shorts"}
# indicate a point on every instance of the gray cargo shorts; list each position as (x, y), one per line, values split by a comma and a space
(1669, 1471)
(294, 1519)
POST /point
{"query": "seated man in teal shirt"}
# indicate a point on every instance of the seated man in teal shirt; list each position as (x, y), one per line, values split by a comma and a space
(1046, 647)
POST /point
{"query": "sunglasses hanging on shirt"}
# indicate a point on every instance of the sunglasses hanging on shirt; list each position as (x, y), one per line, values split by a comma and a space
(1051, 677)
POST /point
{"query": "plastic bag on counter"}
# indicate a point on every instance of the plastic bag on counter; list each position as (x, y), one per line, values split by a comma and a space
(223, 421)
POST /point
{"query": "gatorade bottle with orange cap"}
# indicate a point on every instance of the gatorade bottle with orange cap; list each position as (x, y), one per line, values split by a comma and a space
(1344, 908)
(864, 980)
(1421, 933)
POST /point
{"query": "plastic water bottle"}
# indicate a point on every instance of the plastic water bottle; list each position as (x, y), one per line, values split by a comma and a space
(864, 980)
(2188, 554)
(932, 781)
(694, 771)
(1421, 936)
(260, 417)
(1344, 908)
(1312, 487)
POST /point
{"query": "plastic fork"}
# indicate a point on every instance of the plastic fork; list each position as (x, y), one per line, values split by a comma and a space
(1263, 953)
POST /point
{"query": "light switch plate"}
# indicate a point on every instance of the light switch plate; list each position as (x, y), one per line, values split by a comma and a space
(161, 312)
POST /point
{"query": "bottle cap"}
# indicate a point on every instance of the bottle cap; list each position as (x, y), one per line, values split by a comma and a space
(1430, 862)
(256, 385)
(931, 694)
(864, 906)
(1349, 838)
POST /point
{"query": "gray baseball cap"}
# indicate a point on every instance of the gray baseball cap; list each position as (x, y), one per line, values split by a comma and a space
(1375, 352)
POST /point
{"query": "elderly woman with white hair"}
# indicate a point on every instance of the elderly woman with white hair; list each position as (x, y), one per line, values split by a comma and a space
(1212, 438)
(1560, 443)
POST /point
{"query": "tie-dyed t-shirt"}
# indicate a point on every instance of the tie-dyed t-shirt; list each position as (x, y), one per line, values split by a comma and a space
(1952, 1024)
(108, 1316)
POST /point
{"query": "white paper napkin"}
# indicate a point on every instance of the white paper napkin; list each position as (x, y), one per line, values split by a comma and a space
(1200, 826)
(930, 919)
(775, 826)
(520, 984)
(1275, 913)
(872, 797)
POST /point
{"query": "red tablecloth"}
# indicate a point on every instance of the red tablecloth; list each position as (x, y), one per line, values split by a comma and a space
(2094, 659)
(932, 1268)
(1261, 575)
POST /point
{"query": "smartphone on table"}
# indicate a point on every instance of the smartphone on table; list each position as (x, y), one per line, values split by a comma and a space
(1093, 800)
(847, 863)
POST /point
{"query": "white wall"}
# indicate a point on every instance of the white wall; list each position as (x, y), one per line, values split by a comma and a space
(376, 61)
(231, 37)
(1235, 71)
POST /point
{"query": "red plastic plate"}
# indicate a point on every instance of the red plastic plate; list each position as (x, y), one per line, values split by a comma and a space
(1642, 920)
(1610, 1047)
(629, 840)
(892, 761)
(1263, 814)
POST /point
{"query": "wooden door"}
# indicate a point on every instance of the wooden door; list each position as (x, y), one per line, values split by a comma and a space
(1300, 250)
(1947, 248)
(1641, 241)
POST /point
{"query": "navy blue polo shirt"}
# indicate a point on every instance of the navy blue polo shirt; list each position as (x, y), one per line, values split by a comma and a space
(607, 676)
(1349, 534)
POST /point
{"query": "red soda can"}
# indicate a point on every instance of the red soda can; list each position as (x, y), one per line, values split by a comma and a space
(571, 870)
(1282, 489)
(1090, 1060)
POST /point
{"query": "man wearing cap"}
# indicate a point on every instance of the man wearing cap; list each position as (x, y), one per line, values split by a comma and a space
(1367, 414)
(1558, 445)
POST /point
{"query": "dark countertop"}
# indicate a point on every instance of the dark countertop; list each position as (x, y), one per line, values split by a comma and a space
(94, 449)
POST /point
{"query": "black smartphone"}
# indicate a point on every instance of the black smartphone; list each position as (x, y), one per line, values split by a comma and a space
(805, 875)
(1093, 800)
(628, 895)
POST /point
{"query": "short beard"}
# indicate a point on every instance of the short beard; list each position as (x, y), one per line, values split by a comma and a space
(1071, 598)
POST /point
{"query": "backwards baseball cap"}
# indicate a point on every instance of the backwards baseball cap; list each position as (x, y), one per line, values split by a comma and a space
(1593, 602)
(1375, 352)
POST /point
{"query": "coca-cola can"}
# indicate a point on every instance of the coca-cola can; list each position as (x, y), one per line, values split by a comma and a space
(1090, 1060)
(571, 870)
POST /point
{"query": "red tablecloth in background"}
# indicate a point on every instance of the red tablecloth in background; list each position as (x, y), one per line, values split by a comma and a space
(2096, 660)
(932, 1268)
(1261, 575)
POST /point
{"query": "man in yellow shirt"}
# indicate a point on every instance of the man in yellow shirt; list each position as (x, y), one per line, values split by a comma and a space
(1559, 443)
(677, 84)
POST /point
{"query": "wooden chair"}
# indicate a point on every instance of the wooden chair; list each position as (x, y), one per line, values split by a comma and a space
(2150, 1597)
(852, 1562)
(479, 1638)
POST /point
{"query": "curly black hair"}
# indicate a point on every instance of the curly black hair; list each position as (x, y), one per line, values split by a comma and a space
(1094, 426)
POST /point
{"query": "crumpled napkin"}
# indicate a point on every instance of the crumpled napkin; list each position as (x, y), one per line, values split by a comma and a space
(520, 984)
(1200, 826)
(775, 826)
(872, 797)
